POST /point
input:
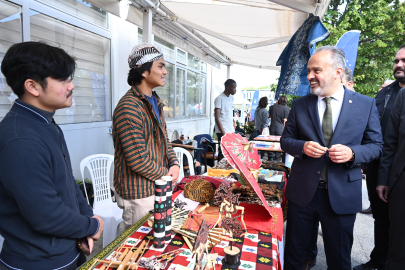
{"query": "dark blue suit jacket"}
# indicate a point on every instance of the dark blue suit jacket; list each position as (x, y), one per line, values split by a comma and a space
(358, 127)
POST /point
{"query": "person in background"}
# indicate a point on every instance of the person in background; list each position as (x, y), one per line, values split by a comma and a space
(262, 115)
(386, 83)
(348, 79)
(391, 179)
(279, 114)
(384, 240)
(42, 211)
(312, 250)
(143, 153)
(224, 112)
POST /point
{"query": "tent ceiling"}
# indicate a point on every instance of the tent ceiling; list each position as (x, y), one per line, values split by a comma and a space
(246, 32)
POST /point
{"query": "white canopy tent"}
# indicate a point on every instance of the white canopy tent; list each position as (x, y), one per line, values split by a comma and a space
(244, 32)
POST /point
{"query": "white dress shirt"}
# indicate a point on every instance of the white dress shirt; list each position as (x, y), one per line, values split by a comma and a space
(336, 103)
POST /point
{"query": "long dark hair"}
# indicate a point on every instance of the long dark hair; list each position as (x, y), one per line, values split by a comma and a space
(282, 100)
(263, 102)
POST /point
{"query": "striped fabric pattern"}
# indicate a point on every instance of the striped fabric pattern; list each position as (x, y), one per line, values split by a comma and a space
(142, 148)
(143, 53)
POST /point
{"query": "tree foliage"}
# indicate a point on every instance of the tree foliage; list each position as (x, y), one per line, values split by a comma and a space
(272, 87)
(381, 23)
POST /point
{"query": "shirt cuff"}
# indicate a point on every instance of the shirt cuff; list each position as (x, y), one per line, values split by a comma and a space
(98, 227)
(171, 164)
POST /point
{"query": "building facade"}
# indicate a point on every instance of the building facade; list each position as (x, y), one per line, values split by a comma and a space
(101, 43)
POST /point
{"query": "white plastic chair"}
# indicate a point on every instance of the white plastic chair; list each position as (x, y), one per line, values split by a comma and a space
(99, 167)
(179, 153)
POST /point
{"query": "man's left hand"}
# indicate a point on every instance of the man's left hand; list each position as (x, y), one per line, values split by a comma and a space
(174, 173)
(339, 153)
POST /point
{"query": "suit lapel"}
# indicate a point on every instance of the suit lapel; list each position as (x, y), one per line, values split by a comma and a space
(349, 100)
(312, 102)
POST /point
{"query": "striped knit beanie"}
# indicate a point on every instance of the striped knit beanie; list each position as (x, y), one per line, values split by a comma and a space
(143, 53)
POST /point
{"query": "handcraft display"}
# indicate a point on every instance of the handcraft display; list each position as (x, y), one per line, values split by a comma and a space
(242, 156)
(230, 206)
(159, 226)
(168, 229)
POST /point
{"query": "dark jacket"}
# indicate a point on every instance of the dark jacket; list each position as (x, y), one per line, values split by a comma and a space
(42, 210)
(358, 128)
(261, 118)
(382, 98)
(392, 162)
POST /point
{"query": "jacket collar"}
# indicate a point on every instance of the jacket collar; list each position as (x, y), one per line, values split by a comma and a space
(137, 93)
(349, 100)
(32, 111)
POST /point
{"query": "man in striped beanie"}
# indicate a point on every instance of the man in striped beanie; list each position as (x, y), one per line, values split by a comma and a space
(143, 153)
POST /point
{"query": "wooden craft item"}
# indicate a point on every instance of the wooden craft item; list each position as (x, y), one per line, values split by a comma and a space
(232, 257)
(229, 205)
(179, 204)
(201, 244)
(159, 226)
(211, 259)
(168, 229)
(199, 190)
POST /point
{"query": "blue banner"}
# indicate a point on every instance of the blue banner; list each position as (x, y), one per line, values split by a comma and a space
(294, 58)
(349, 42)
(255, 102)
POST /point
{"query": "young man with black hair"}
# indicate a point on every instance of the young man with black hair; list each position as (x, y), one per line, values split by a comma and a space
(143, 152)
(42, 210)
(224, 112)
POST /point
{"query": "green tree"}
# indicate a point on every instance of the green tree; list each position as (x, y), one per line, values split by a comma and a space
(258, 88)
(381, 23)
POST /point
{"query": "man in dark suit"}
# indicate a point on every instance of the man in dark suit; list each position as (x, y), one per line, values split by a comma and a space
(385, 100)
(391, 176)
(330, 132)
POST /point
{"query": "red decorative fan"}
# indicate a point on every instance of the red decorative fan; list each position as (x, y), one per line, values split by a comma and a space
(243, 157)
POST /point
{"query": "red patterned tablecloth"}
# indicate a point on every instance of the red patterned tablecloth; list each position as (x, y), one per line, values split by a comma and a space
(259, 250)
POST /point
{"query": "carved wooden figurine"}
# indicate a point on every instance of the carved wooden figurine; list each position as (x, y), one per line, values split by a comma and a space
(230, 206)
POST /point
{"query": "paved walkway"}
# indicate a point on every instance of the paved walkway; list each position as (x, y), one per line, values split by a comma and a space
(363, 238)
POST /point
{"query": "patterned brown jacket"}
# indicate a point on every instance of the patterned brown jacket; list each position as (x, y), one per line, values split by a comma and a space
(142, 148)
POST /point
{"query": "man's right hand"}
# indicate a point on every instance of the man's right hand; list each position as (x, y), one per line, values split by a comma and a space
(382, 192)
(100, 228)
(314, 149)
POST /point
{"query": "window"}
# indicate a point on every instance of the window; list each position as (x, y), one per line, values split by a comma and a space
(166, 93)
(180, 92)
(10, 33)
(168, 48)
(140, 35)
(203, 67)
(181, 56)
(193, 100)
(82, 9)
(203, 96)
(193, 61)
(91, 97)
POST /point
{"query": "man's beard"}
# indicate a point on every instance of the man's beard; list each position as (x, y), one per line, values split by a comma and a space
(320, 90)
(400, 77)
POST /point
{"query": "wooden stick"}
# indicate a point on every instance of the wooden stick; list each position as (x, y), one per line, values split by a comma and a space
(188, 242)
(94, 263)
(136, 254)
(115, 253)
(123, 254)
(127, 258)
